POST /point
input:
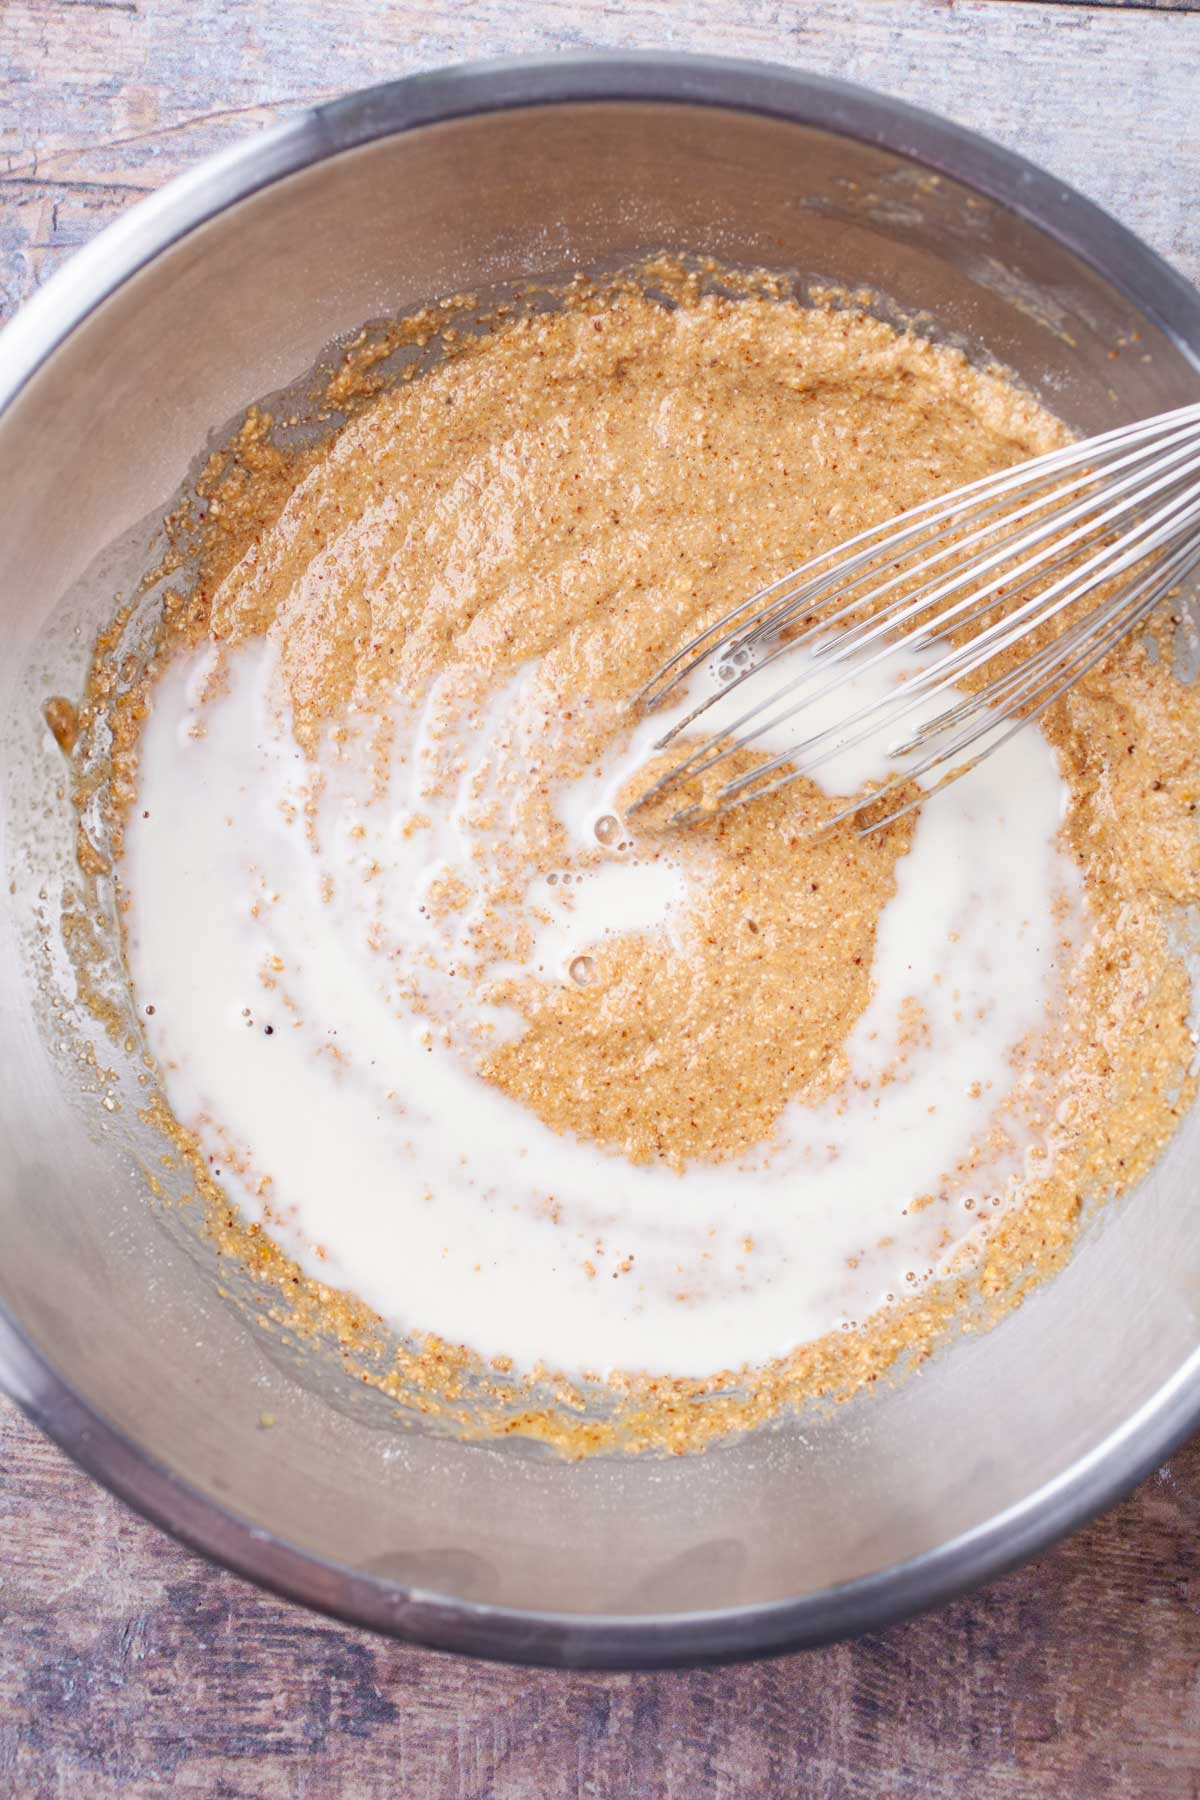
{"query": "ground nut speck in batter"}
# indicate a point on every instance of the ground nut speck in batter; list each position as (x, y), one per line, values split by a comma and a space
(546, 1086)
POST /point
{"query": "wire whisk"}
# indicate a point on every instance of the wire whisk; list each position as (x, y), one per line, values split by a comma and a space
(1068, 553)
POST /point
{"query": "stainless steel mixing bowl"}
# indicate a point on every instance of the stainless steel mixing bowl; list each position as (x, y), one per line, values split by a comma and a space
(114, 1336)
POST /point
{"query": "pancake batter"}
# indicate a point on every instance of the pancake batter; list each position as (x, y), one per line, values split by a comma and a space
(539, 1080)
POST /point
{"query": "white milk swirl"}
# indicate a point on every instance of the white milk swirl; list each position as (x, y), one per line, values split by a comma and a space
(266, 939)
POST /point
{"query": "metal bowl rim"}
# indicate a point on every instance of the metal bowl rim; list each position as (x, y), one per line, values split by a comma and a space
(104, 1450)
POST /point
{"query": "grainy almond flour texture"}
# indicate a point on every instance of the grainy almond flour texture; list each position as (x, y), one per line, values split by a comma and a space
(646, 1157)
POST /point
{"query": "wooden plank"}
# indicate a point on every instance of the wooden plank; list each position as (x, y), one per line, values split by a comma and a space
(105, 101)
(130, 1670)
(1144, 5)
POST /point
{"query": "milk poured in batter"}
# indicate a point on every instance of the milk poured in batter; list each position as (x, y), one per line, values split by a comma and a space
(325, 1033)
(525, 1069)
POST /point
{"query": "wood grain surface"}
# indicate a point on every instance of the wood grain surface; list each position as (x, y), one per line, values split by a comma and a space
(105, 99)
(129, 1669)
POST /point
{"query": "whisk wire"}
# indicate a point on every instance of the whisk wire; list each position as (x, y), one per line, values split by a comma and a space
(955, 663)
(1130, 618)
(853, 639)
(894, 534)
(783, 611)
(1065, 525)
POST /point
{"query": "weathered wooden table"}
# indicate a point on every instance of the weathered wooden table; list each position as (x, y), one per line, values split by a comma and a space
(129, 1668)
